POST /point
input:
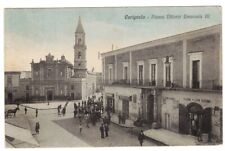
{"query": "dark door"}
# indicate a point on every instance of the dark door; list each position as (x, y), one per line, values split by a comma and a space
(125, 108)
(10, 98)
(72, 96)
(27, 97)
(206, 120)
(150, 109)
(183, 120)
(49, 95)
(194, 117)
(111, 104)
(195, 74)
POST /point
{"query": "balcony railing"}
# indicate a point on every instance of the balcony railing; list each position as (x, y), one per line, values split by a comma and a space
(205, 84)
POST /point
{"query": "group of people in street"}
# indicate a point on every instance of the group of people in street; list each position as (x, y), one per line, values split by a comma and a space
(90, 111)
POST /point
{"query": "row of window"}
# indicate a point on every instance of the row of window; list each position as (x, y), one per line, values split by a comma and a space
(49, 73)
(168, 71)
(61, 91)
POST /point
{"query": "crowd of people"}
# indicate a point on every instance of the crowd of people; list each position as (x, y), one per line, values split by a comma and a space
(90, 111)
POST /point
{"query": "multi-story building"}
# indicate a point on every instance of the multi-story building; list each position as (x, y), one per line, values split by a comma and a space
(175, 82)
(25, 86)
(53, 79)
(93, 83)
(50, 78)
(17, 86)
(12, 80)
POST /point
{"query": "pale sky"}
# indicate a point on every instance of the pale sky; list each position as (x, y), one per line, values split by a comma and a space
(33, 33)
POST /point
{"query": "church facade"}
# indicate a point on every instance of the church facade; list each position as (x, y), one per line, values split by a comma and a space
(55, 79)
(60, 79)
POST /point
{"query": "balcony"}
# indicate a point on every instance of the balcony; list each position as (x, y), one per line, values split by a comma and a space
(133, 82)
(176, 84)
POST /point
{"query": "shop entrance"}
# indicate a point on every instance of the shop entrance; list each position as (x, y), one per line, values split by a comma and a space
(193, 118)
(195, 113)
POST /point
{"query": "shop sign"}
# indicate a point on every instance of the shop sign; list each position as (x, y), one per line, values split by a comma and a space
(188, 99)
(129, 98)
(197, 100)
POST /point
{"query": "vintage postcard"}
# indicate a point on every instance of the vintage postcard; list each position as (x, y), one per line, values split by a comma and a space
(113, 76)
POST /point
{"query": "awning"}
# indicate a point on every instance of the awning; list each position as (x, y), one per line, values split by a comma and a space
(20, 134)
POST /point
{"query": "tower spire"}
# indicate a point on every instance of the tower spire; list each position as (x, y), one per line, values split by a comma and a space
(80, 28)
(80, 52)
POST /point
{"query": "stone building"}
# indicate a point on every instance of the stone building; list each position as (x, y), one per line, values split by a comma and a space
(93, 83)
(12, 80)
(25, 86)
(59, 79)
(175, 82)
(50, 78)
(17, 86)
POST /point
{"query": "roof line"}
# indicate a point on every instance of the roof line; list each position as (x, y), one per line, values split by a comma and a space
(173, 36)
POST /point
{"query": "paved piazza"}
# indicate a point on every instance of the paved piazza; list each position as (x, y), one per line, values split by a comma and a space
(63, 131)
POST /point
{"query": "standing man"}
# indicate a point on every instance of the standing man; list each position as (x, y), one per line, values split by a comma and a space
(25, 110)
(102, 130)
(199, 135)
(141, 137)
(37, 127)
(36, 112)
(106, 127)
(59, 110)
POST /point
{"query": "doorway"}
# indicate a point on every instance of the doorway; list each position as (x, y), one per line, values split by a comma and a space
(27, 97)
(10, 98)
(72, 96)
(150, 109)
(195, 118)
(125, 108)
(110, 104)
(49, 95)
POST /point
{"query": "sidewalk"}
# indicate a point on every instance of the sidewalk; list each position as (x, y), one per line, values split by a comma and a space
(171, 138)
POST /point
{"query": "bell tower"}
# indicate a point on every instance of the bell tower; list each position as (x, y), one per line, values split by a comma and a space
(80, 62)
